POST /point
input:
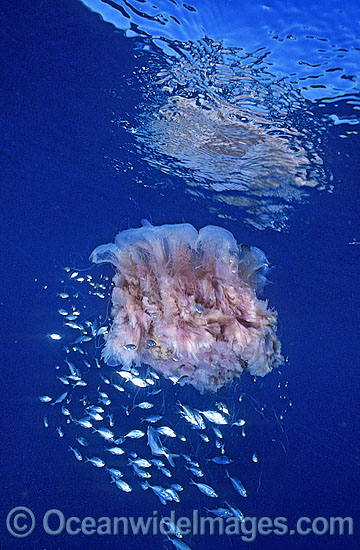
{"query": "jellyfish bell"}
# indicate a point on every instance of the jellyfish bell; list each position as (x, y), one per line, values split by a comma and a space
(192, 295)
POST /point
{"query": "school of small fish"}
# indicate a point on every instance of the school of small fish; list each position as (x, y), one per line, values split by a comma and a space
(133, 426)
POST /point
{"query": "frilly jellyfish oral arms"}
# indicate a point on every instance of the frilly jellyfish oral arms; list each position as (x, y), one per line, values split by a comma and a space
(184, 302)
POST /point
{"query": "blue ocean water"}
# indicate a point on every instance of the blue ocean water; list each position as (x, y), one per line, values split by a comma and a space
(115, 112)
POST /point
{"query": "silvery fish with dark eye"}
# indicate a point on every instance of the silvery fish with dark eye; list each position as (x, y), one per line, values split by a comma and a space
(140, 462)
(60, 431)
(177, 487)
(221, 460)
(236, 512)
(95, 461)
(238, 486)
(96, 409)
(165, 430)
(135, 434)
(196, 471)
(105, 433)
(214, 416)
(82, 441)
(95, 416)
(221, 512)
(150, 343)
(60, 399)
(141, 473)
(83, 422)
(145, 405)
(152, 419)
(115, 450)
(76, 452)
(45, 399)
(121, 484)
(139, 382)
(205, 489)
(114, 473)
(65, 411)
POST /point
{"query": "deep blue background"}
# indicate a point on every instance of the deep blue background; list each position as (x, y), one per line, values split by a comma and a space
(61, 197)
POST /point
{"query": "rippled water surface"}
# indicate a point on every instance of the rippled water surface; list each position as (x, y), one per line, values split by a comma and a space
(242, 116)
(238, 114)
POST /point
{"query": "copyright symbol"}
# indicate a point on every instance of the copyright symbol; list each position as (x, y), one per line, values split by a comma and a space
(20, 522)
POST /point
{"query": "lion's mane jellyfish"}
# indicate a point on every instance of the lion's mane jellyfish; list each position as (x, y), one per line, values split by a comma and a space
(185, 303)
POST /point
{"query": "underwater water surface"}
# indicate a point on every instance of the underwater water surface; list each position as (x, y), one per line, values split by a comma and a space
(210, 113)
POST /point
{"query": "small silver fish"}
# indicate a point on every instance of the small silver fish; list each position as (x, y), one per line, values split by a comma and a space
(220, 512)
(114, 472)
(177, 487)
(139, 382)
(221, 460)
(150, 343)
(63, 380)
(79, 350)
(95, 408)
(103, 395)
(239, 422)
(141, 462)
(172, 495)
(121, 484)
(159, 491)
(141, 473)
(95, 461)
(83, 422)
(205, 489)
(158, 463)
(115, 450)
(194, 470)
(165, 430)
(60, 431)
(124, 374)
(190, 417)
(214, 416)
(45, 399)
(82, 441)
(95, 416)
(130, 347)
(73, 325)
(135, 434)
(144, 405)
(172, 528)
(76, 452)
(238, 486)
(80, 383)
(222, 407)
(236, 512)
(152, 419)
(105, 433)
